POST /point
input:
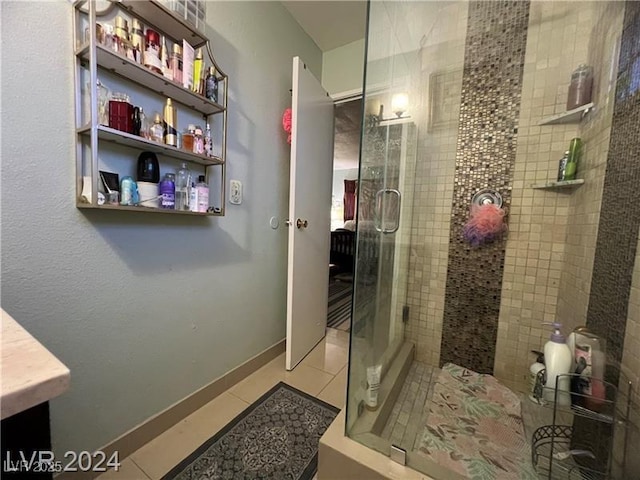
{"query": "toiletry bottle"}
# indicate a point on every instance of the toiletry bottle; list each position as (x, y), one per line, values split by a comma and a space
(137, 40)
(575, 152)
(137, 121)
(144, 124)
(170, 122)
(164, 60)
(122, 35)
(128, 191)
(580, 87)
(193, 198)
(168, 192)
(183, 181)
(589, 356)
(208, 142)
(535, 368)
(188, 137)
(197, 72)
(156, 131)
(557, 358)
(373, 387)
(198, 141)
(151, 54)
(203, 194)
(562, 166)
(176, 63)
(211, 85)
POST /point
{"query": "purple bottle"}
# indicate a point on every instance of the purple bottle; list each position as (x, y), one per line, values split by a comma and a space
(168, 191)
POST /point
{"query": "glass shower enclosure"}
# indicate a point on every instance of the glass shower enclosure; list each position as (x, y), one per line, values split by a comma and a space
(465, 107)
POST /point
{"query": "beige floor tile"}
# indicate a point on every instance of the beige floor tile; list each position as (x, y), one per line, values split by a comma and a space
(164, 452)
(308, 379)
(303, 377)
(259, 382)
(337, 337)
(327, 357)
(335, 393)
(128, 471)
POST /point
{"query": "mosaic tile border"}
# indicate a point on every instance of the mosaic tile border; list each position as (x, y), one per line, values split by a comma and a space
(486, 150)
(620, 212)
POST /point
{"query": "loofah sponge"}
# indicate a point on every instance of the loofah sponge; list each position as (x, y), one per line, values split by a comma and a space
(486, 223)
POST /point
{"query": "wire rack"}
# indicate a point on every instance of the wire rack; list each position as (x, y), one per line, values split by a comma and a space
(585, 430)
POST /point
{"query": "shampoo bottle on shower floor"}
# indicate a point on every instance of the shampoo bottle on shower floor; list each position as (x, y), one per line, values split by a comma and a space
(557, 358)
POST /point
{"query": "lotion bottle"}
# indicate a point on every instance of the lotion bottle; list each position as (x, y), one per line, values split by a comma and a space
(557, 358)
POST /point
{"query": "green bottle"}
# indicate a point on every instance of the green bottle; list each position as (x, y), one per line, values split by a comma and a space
(575, 152)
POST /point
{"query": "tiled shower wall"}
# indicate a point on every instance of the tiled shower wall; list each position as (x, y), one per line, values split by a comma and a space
(585, 202)
(547, 227)
(442, 58)
(485, 157)
(551, 242)
(619, 223)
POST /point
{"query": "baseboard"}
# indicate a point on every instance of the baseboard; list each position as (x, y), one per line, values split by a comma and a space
(138, 436)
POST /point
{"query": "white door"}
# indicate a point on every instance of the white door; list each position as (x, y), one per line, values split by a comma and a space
(309, 214)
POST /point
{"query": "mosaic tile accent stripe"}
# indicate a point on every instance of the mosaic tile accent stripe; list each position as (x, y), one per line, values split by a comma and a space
(620, 213)
(486, 150)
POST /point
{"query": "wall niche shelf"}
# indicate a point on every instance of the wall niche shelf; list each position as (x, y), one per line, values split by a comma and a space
(570, 116)
(93, 58)
(558, 185)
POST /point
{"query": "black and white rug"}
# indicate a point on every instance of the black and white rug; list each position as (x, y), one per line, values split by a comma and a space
(339, 309)
(276, 437)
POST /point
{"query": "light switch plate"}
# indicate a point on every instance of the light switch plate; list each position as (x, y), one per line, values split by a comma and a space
(235, 192)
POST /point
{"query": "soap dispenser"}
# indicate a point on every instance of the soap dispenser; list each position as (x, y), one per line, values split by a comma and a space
(557, 357)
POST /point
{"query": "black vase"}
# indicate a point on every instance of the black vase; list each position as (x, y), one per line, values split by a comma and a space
(148, 168)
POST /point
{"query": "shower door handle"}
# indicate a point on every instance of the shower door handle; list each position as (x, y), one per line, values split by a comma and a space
(386, 207)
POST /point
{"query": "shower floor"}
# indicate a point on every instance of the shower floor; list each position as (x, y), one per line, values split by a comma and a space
(409, 413)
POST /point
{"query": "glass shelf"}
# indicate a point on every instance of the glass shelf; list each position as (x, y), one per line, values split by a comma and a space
(570, 116)
(126, 68)
(557, 185)
(140, 143)
(128, 208)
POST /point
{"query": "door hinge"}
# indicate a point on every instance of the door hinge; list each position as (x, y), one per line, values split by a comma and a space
(405, 314)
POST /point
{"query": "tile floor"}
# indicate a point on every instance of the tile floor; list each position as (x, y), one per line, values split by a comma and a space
(410, 411)
(323, 374)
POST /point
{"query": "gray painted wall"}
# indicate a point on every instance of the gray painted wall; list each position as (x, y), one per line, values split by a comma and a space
(143, 310)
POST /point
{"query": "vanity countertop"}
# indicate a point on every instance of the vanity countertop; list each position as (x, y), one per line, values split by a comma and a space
(31, 374)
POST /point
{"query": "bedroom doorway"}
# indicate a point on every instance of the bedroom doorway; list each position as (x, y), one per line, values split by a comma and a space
(346, 159)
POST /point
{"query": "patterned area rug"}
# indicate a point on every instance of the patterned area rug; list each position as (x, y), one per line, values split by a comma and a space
(276, 437)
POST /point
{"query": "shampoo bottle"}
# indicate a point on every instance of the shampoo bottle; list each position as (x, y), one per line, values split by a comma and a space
(557, 357)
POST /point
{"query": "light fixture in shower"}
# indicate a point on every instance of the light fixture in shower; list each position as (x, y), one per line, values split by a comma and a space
(399, 106)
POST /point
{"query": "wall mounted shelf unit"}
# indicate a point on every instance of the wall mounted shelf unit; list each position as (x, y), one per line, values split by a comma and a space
(93, 59)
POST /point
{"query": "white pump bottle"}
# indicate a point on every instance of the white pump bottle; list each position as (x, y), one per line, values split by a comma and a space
(557, 357)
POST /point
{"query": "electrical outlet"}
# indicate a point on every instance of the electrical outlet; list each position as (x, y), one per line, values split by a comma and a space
(235, 189)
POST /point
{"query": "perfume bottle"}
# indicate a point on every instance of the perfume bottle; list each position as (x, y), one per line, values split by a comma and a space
(156, 131)
(137, 40)
(208, 142)
(164, 60)
(175, 63)
(211, 85)
(197, 72)
(144, 125)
